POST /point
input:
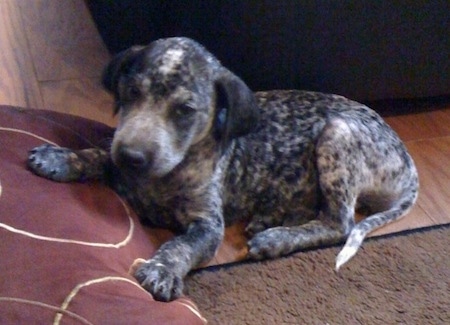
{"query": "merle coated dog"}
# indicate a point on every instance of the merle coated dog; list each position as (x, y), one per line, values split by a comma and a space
(195, 149)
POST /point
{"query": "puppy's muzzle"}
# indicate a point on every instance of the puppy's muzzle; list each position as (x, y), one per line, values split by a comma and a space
(134, 159)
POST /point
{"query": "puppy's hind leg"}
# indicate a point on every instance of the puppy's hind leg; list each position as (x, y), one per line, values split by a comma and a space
(279, 241)
(345, 176)
(336, 218)
(340, 165)
(331, 226)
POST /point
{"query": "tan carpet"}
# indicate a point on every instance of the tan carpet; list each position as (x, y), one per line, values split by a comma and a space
(401, 279)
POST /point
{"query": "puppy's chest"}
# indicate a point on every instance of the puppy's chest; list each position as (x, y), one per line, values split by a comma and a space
(169, 203)
(151, 209)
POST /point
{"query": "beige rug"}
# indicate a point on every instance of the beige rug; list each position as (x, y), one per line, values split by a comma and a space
(396, 279)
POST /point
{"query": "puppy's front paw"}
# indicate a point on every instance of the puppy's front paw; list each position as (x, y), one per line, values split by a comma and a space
(55, 163)
(161, 281)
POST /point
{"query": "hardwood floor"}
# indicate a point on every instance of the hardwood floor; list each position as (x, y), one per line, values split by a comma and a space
(18, 84)
(51, 57)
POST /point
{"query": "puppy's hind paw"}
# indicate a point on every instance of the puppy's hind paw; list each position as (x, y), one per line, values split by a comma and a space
(270, 243)
(55, 163)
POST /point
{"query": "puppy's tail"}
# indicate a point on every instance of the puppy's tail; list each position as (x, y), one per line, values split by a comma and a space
(363, 228)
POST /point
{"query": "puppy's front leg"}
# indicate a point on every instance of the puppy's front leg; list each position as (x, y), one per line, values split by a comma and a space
(66, 165)
(163, 274)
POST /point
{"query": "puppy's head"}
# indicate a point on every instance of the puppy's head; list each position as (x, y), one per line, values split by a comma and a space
(170, 96)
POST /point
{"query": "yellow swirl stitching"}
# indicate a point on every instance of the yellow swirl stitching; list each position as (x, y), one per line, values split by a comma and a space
(47, 306)
(79, 242)
(187, 304)
(29, 134)
(75, 291)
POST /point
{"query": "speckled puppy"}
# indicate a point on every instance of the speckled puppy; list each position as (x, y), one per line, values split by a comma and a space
(195, 149)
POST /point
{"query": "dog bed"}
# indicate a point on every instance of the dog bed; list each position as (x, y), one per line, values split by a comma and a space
(67, 247)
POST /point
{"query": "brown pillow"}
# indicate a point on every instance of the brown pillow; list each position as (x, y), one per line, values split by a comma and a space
(66, 249)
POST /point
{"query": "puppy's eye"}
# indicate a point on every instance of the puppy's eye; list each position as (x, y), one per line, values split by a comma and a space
(132, 92)
(183, 110)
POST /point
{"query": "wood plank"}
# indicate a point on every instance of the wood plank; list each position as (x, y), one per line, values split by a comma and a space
(422, 125)
(416, 218)
(18, 84)
(432, 158)
(233, 248)
(82, 97)
(63, 39)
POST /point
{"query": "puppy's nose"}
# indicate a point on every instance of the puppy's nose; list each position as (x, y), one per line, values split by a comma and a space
(132, 158)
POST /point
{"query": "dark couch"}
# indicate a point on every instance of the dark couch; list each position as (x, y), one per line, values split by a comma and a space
(366, 50)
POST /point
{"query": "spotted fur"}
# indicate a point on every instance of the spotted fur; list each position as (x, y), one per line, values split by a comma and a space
(195, 150)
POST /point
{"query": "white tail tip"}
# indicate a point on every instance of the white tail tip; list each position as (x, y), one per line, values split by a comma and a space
(344, 256)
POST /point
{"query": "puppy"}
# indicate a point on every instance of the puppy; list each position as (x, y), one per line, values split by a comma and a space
(195, 149)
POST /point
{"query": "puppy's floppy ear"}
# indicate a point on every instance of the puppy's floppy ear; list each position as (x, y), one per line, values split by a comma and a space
(237, 112)
(118, 65)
